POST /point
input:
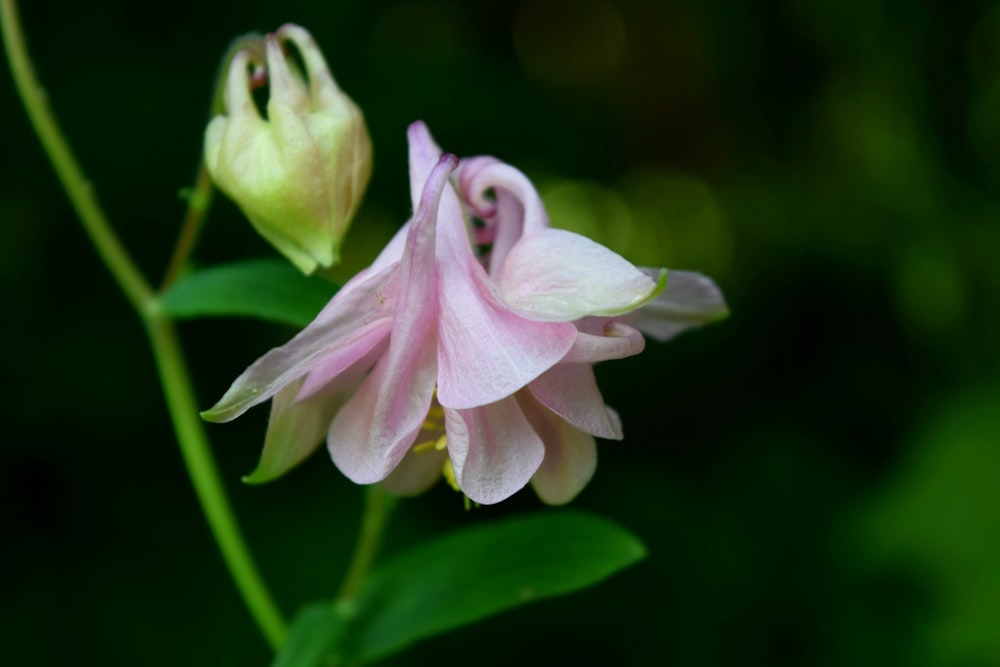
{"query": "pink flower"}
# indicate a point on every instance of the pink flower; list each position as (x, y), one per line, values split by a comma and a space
(434, 359)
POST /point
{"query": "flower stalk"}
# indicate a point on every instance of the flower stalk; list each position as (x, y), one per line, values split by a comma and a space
(378, 508)
(159, 328)
(71, 176)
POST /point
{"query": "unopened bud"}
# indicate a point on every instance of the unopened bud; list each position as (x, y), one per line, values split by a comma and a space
(298, 175)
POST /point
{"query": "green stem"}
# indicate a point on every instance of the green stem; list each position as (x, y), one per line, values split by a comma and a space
(199, 200)
(173, 373)
(378, 508)
(200, 196)
(79, 189)
(205, 477)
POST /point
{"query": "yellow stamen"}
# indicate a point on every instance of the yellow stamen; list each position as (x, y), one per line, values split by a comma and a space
(449, 475)
(425, 446)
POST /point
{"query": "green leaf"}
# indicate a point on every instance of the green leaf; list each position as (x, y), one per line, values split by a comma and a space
(467, 576)
(458, 579)
(268, 289)
(313, 638)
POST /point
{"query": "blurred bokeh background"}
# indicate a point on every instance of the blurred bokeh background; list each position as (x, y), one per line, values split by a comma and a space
(816, 478)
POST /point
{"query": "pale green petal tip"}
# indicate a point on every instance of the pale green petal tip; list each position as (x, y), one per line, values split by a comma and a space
(259, 476)
(661, 284)
(214, 415)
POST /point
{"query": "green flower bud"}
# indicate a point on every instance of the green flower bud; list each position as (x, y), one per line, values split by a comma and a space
(299, 174)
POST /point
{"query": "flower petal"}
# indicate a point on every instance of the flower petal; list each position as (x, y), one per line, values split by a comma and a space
(485, 351)
(570, 454)
(417, 472)
(690, 300)
(559, 276)
(362, 302)
(570, 391)
(373, 432)
(481, 174)
(366, 342)
(493, 450)
(424, 154)
(617, 341)
(294, 432)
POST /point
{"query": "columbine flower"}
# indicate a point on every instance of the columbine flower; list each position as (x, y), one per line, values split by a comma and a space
(300, 174)
(435, 360)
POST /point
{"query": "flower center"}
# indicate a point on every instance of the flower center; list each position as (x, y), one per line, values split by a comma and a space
(433, 437)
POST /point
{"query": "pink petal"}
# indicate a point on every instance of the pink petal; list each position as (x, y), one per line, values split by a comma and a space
(570, 455)
(485, 351)
(484, 173)
(690, 300)
(424, 154)
(373, 432)
(509, 221)
(570, 391)
(559, 276)
(493, 450)
(358, 306)
(617, 341)
(368, 342)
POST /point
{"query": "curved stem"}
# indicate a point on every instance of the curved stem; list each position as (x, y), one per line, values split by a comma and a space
(199, 199)
(77, 187)
(200, 196)
(205, 477)
(173, 373)
(378, 507)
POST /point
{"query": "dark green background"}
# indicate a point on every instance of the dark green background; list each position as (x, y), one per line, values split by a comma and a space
(816, 478)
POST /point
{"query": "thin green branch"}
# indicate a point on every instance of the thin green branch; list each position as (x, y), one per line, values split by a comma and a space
(163, 339)
(199, 199)
(200, 196)
(378, 508)
(205, 478)
(78, 188)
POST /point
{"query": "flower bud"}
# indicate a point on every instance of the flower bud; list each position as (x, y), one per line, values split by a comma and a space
(299, 174)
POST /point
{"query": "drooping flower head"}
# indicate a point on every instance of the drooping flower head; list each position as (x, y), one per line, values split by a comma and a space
(438, 359)
(298, 175)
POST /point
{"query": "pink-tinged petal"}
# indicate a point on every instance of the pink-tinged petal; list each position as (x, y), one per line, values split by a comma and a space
(617, 341)
(299, 423)
(570, 391)
(373, 432)
(559, 276)
(424, 154)
(368, 343)
(469, 176)
(485, 351)
(294, 432)
(360, 304)
(690, 300)
(493, 450)
(570, 455)
(509, 223)
(484, 173)
(417, 472)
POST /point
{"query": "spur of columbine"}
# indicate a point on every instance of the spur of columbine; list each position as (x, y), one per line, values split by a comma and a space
(438, 359)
